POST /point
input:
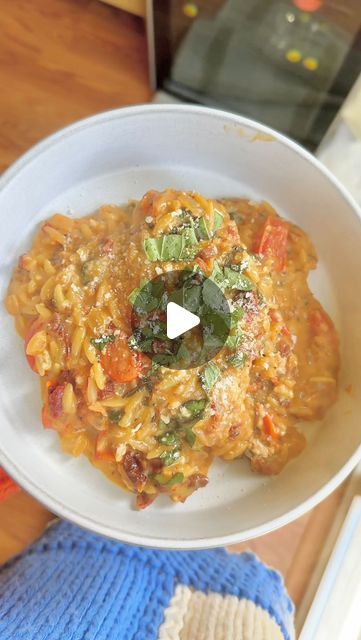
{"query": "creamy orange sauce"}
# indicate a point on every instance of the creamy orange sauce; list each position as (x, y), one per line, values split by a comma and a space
(149, 428)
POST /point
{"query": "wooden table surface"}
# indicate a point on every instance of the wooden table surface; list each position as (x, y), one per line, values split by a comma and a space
(61, 61)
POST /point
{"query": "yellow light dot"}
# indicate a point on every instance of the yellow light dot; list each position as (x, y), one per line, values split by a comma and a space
(310, 63)
(293, 55)
(190, 10)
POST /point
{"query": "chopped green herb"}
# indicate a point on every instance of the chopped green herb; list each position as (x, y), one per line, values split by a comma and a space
(170, 482)
(192, 297)
(209, 376)
(153, 248)
(170, 457)
(193, 409)
(189, 436)
(114, 414)
(211, 343)
(217, 276)
(189, 244)
(176, 479)
(88, 271)
(148, 297)
(171, 247)
(100, 343)
(218, 220)
(236, 280)
(238, 360)
(203, 232)
(212, 295)
(236, 316)
(168, 438)
(133, 295)
(233, 341)
(182, 353)
(154, 368)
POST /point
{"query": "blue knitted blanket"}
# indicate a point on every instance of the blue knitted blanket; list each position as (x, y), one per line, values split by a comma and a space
(74, 585)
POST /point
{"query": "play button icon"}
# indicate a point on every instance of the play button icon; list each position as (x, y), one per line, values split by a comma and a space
(179, 320)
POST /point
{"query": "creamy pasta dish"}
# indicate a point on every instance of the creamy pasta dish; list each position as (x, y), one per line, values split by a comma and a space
(90, 298)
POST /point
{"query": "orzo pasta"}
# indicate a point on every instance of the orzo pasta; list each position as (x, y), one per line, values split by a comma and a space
(150, 428)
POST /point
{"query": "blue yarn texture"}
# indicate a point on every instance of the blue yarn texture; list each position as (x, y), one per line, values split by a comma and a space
(75, 585)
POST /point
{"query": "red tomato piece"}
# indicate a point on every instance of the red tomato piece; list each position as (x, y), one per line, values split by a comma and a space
(272, 241)
(269, 428)
(120, 363)
(321, 323)
(55, 399)
(46, 418)
(148, 201)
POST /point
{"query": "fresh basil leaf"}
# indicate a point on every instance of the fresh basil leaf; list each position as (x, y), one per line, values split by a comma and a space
(114, 414)
(209, 376)
(100, 343)
(218, 220)
(203, 232)
(217, 276)
(236, 280)
(163, 359)
(236, 316)
(146, 346)
(210, 343)
(148, 297)
(216, 321)
(169, 457)
(133, 295)
(192, 298)
(238, 360)
(212, 295)
(189, 244)
(233, 341)
(182, 353)
(171, 247)
(153, 248)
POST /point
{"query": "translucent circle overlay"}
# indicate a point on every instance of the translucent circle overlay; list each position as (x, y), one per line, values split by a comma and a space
(197, 294)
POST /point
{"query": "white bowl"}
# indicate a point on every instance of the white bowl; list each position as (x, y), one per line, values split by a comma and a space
(119, 155)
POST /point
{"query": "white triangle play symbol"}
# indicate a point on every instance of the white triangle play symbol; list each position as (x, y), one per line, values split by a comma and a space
(179, 320)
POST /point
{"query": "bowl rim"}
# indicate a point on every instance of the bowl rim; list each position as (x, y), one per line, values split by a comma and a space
(86, 522)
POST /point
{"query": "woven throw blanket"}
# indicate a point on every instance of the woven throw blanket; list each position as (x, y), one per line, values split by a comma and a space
(74, 585)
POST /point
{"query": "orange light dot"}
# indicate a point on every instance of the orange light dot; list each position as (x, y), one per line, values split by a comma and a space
(308, 5)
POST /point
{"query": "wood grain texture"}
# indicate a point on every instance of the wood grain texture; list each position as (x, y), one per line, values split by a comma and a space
(62, 60)
(22, 520)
